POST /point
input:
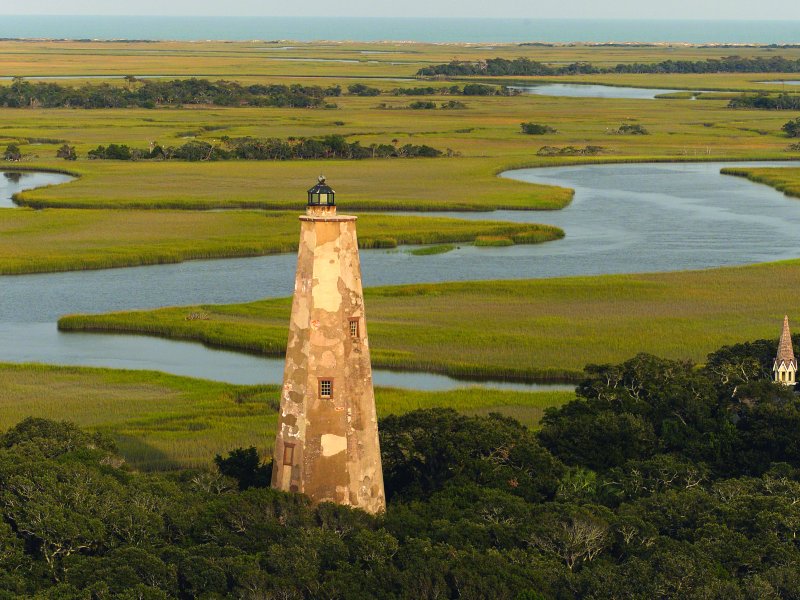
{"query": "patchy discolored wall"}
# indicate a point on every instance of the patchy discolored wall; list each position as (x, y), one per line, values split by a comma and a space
(327, 443)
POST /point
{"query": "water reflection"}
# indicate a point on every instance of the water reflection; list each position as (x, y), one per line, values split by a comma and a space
(42, 343)
(14, 182)
(574, 90)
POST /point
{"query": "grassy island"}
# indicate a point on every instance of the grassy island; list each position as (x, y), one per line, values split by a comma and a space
(545, 329)
(68, 239)
(783, 179)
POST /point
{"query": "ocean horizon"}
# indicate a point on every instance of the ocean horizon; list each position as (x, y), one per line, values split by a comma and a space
(369, 29)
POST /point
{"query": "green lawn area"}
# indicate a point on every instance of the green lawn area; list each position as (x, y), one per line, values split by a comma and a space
(164, 422)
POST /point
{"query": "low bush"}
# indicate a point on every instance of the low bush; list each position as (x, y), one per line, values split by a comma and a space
(536, 129)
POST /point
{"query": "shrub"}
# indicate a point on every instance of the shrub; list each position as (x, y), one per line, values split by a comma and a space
(359, 89)
(479, 89)
(112, 152)
(792, 128)
(12, 153)
(570, 151)
(453, 105)
(422, 105)
(415, 91)
(67, 152)
(632, 129)
(536, 128)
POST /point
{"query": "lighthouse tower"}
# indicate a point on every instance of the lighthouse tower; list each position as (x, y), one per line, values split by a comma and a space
(327, 443)
(784, 369)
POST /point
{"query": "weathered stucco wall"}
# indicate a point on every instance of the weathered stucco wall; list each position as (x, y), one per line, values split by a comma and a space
(327, 447)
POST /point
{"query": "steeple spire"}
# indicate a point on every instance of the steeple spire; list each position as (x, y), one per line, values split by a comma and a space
(785, 350)
(784, 369)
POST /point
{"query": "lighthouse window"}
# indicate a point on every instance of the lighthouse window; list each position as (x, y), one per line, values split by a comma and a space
(354, 328)
(288, 454)
(326, 388)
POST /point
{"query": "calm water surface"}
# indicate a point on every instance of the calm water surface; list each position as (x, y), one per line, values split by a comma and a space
(414, 29)
(17, 181)
(41, 343)
(624, 219)
(591, 91)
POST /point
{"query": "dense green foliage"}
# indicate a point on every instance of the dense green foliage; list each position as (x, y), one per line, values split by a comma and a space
(248, 148)
(525, 66)
(570, 151)
(792, 128)
(470, 89)
(151, 93)
(765, 101)
(660, 481)
(359, 89)
(12, 153)
(67, 152)
(632, 129)
(536, 128)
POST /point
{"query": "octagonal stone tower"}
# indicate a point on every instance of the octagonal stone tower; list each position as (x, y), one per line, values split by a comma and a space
(327, 443)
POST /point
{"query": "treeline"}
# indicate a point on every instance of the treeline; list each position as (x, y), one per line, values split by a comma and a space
(662, 480)
(249, 148)
(764, 101)
(498, 67)
(470, 89)
(152, 93)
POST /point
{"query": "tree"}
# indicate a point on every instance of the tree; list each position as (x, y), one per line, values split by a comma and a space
(244, 465)
(359, 89)
(67, 152)
(426, 450)
(12, 153)
(792, 128)
(573, 534)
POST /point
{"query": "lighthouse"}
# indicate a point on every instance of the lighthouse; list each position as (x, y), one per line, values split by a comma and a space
(327, 443)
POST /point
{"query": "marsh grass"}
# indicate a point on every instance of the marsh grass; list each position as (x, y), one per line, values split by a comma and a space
(431, 250)
(493, 240)
(485, 141)
(165, 422)
(67, 239)
(530, 330)
(783, 179)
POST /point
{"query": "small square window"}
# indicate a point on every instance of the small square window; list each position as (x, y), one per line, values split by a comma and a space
(326, 388)
(288, 454)
(354, 328)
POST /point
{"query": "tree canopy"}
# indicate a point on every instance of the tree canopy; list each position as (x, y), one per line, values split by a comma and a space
(499, 67)
(661, 480)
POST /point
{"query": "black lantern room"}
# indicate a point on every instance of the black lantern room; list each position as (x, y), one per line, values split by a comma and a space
(321, 194)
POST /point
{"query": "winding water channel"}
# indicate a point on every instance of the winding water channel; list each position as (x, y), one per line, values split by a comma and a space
(624, 218)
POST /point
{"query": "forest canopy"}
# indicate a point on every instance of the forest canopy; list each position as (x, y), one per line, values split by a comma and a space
(661, 480)
(152, 93)
(498, 67)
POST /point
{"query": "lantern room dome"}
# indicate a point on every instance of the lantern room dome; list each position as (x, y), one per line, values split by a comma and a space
(321, 194)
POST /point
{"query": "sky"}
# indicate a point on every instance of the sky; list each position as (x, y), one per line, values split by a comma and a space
(633, 9)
